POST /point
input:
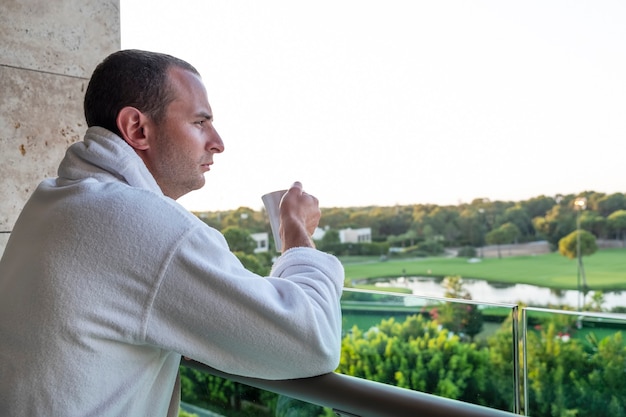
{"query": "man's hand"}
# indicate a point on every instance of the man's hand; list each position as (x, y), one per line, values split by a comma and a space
(299, 216)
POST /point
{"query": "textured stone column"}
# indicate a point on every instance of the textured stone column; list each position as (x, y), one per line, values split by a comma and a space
(48, 50)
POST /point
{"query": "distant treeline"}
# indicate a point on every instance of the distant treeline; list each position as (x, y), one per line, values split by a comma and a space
(463, 225)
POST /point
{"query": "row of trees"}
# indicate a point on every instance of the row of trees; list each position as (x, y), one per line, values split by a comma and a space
(483, 221)
(432, 227)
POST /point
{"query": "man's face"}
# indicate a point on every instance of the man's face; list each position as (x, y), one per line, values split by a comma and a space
(184, 142)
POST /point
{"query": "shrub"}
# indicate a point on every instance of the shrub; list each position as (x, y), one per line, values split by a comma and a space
(467, 252)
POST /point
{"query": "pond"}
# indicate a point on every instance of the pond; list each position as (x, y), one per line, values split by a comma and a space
(481, 290)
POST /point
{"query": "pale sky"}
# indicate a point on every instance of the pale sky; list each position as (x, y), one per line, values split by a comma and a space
(401, 102)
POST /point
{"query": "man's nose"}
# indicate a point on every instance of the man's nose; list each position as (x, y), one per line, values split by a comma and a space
(215, 143)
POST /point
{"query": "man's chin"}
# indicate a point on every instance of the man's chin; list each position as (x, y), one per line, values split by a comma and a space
(201, 182)
(195, 187)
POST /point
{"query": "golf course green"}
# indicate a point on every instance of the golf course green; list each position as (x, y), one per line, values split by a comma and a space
(605, 270)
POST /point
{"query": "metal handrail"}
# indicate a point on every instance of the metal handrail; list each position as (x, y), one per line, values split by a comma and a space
(350, 396)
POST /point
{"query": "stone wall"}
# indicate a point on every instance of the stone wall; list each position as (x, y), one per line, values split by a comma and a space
(48, 50)
(518, 249)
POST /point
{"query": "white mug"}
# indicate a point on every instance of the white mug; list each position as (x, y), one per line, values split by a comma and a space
(271, 201)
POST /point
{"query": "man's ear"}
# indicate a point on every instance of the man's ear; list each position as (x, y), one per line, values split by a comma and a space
(133, 126)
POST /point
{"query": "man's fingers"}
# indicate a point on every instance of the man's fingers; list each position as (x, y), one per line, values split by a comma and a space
(298, 186)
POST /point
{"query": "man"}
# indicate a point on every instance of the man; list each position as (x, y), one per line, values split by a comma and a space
(106, 281)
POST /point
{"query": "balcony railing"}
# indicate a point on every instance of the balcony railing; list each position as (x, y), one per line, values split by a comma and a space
(351, 396)
(355, 397)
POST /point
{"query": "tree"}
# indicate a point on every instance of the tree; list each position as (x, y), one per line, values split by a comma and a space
(611, 203)
(577, 244)
(405, 239)
(568, 246)
(389, 221)
(558, 222)
(239, 240)
(458, 317)
(506, 233)
(538, 206)
(470, 226)
(602, 390)
(553, 367)
(417, 355)
(253, 263)
(617, 224)
(593, 222)
(542, 227)
(520, 218)
(596, 302)
(443, 220)
(245, 218)
(330, 242)
(334, 218)
(210, 391)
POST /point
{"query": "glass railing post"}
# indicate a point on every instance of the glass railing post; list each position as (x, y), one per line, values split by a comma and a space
(525, 358)
(516, 357)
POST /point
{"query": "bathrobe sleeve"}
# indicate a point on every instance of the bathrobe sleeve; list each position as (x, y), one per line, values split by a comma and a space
(210, 308)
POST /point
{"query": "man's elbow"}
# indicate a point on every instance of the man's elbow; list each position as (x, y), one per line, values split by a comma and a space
(326, 357)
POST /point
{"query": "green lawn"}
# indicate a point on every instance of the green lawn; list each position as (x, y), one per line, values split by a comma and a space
(605, 270)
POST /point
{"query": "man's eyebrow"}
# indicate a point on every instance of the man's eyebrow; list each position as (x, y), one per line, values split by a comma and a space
(205, 115)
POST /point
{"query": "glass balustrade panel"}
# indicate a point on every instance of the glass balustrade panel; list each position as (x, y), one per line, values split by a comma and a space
(575, 363)
(454, 348)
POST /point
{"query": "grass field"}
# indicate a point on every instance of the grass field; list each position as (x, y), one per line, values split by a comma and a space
(605, 270)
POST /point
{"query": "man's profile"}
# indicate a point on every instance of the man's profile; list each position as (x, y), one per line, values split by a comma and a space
(106, 280)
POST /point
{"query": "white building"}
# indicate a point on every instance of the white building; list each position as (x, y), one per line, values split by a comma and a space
(363, 235)
(262, 241)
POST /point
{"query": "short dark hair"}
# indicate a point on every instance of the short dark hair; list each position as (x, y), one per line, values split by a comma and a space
(130, 78)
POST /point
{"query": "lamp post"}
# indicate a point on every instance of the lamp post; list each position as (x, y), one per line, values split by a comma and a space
(482, 232)
(580, 204)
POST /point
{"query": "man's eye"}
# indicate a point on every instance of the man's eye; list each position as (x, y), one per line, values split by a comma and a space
(200, 122)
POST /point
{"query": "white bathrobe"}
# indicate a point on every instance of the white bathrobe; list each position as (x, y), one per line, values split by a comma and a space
(105, 283)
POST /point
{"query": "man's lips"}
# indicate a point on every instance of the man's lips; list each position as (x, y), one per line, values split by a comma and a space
(206, 165)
